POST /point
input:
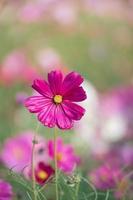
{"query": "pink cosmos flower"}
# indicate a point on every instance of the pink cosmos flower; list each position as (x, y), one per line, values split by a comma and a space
(5, 190)
(31, 12)
(54, 104)
(106, 177)
(66, 158)
(16, 153)
(43, 172)
(15, 64)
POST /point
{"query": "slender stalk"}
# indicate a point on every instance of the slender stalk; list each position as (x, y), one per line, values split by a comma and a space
(55, 163)
(107, 195)
(77, 191)
(33, 164)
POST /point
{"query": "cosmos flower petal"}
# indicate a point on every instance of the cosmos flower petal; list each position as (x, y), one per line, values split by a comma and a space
(42, 87)
(69, 149)
(55, 81)
(36, 103)
(73, 110)
(71, 81)
(63, 121)
(66, 167)
(77, 95)
(59, 148)
(67, 159)
(6, 192)
(47, 115)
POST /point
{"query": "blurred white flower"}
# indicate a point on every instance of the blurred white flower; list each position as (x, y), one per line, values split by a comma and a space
(48, 59)
(114, 128)
(108, 119)
(65, 14)
(87, 129)
(117, 114)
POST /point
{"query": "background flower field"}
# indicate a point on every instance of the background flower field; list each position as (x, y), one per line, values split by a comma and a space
(95, 39)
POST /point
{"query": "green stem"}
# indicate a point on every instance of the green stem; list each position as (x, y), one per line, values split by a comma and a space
(77, 191)
(56, 168)
(33, 165)
(33, 171)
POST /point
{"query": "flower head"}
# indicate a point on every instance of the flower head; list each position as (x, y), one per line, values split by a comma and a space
(5, 190)
(17, 151)
(106, 177)
(43, 172)
(31, 12)
(54, 104)
(48, 58)
(14, 64)
(66, 158)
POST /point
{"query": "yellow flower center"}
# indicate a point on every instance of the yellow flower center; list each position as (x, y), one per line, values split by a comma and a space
(42, 175)
(59, 156)
(58, 99)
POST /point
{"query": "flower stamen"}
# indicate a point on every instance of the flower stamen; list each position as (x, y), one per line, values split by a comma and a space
(59, 156)
(57, 99)
(42, 175)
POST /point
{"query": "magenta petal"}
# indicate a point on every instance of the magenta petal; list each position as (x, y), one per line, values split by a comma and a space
(73, 110)
(78, 94)
(42, 87)
(59, 144)
(47, 115)
(63, 121)
(55, 81)
(36, 103)
(51, 148)
(6, 192)
(71, 81)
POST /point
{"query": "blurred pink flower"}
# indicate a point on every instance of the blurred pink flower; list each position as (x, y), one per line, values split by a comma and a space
(66, 158)
(31, 12)
(6, 192)
(106, 177)
(112, 8)
(16, 152)
(126, 153)
(55, 105)
(16, 68)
